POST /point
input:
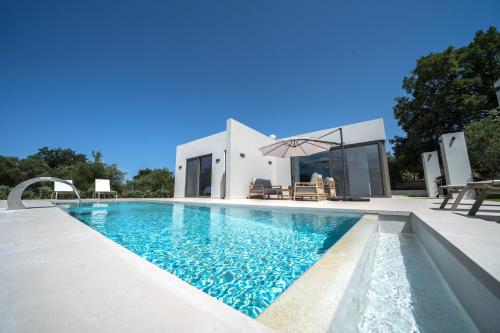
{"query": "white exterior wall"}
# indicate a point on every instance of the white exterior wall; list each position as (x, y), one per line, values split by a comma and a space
(456, 163)
(242, 139)
(366, 131)
(430, 161)
(283, 172)
(213, 144)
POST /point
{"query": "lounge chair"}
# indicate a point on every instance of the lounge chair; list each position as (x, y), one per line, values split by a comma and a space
(61, 188)
(483, 189)
(330, 189)
(313, 189)
(264, 188)
(450, 190)
(102, 186)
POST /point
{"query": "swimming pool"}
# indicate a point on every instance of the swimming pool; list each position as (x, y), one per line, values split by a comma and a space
(398, 288)
(406, 292)
(245, 257)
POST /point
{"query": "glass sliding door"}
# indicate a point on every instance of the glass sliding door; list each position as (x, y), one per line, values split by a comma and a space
(199, 176)
(374, 170)
(362, 169)
(205, 186)
(192, 171)
(337, 171)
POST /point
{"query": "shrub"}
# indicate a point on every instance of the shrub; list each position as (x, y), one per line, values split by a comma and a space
(483, 143)
(410, 176)
(4, 192)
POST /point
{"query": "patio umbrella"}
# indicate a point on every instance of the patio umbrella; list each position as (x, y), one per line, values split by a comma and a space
(305, 146)
(294, 147)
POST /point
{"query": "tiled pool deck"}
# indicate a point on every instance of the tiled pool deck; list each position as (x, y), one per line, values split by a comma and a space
(59, 275)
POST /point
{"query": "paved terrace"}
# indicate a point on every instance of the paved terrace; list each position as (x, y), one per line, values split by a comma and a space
(56, 274)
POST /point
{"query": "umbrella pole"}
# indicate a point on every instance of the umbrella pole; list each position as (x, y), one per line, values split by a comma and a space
(343, 164)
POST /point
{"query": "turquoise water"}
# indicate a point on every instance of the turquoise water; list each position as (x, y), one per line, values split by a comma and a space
(244, 257)
(407, 293)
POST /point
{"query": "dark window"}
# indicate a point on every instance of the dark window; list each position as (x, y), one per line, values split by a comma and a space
(199, 176)
(205, 188)
(307, 165)
(363, 169)
(192, 177)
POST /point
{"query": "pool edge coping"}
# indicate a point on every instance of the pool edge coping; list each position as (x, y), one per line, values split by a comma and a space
(242, 205)
(311, 303)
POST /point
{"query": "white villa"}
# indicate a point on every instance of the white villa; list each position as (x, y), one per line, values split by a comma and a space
(221, 165)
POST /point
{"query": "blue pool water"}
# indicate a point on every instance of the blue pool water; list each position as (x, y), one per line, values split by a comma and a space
(244, 257)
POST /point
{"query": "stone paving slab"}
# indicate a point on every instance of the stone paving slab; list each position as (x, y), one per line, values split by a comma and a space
(57, 275)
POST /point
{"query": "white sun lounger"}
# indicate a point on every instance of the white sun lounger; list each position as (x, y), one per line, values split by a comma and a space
(102, 186)
(62, 188)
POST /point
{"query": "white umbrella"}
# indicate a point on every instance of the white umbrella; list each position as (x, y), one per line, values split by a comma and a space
(305, 146)
(293, 147)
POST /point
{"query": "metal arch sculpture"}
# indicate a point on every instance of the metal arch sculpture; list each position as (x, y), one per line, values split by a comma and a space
(14, 200)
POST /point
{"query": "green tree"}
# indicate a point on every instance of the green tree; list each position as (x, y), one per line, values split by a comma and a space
(68, 164)
(84, 175)
(60, 163)
(10, 173)
(483, 140)
(445, 92)
(34, 167)
(97, 156)
(59, 156)
(4, 192)
(151, 183)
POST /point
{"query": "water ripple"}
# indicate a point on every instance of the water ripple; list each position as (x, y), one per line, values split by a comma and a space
(244, 257)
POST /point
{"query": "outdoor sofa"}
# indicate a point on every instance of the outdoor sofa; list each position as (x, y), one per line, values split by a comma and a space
(263, 188)
(313, 189)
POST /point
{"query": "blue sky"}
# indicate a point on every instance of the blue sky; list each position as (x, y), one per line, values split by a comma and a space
(135, 78)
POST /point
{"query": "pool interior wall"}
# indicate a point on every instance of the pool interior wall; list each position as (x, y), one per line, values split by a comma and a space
(476, 289)
(398, 288)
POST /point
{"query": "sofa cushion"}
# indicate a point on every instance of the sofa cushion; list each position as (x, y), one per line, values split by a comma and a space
(302, 189)
(329, 181)
(264, 182)
(313, 177)
(271, 191)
